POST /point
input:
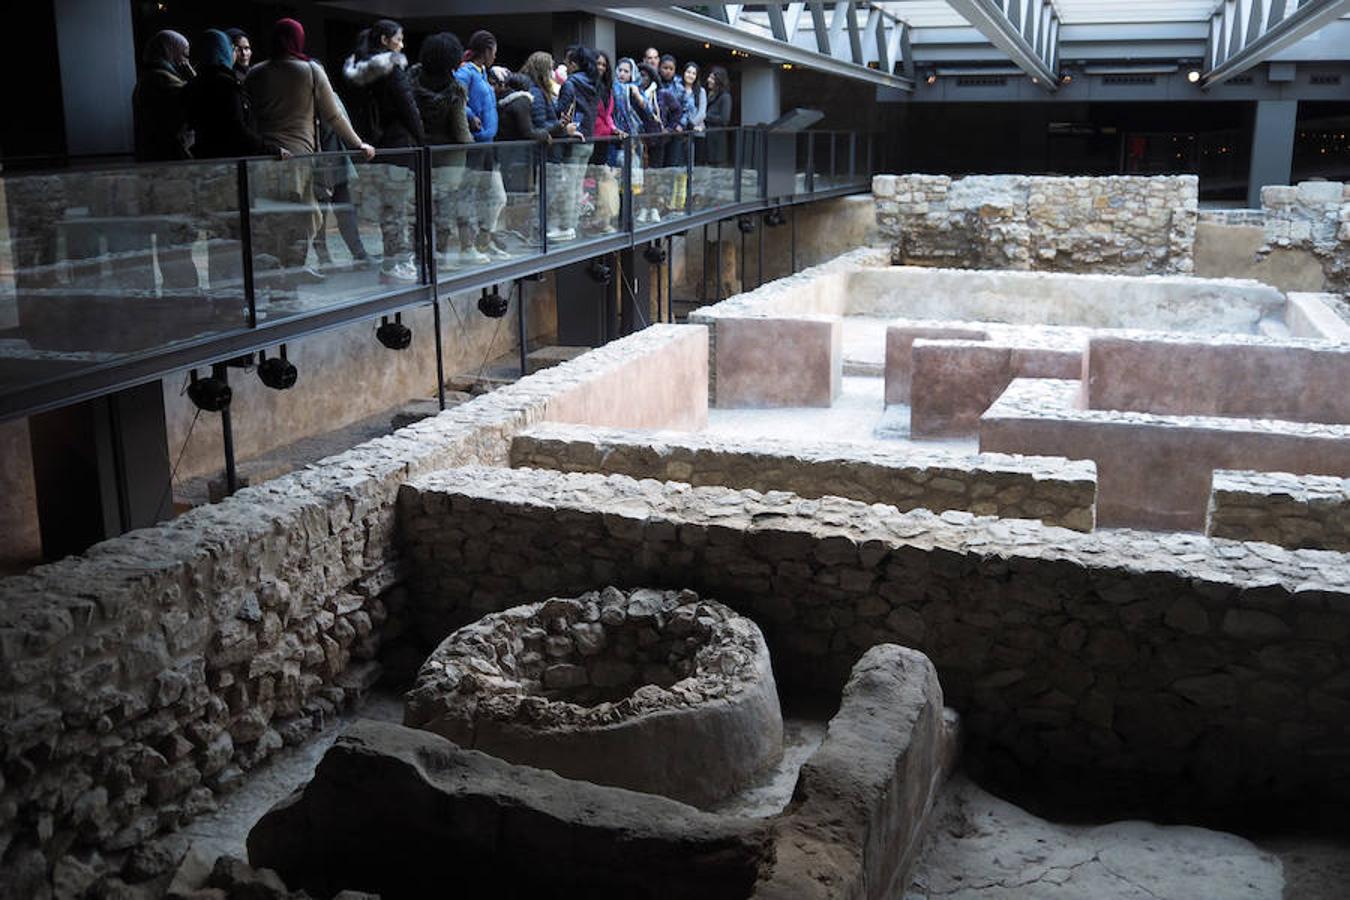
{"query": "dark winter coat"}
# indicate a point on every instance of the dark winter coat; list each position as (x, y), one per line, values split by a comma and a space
(543, 111)
(385, 77)
(719, 116)
(159, 115)
(219, 114)
(515, 122)
(578, 95)
(441, 104)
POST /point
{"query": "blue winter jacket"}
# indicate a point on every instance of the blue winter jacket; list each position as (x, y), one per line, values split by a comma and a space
(482, 101)
(543, 114)
(688, 107)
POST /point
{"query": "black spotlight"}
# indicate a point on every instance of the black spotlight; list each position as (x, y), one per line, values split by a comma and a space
(654, 253)
(745, 224)
(774, 217)
(394, 335)
(492, 304)
(600, 271)
(210, 394)
(277, 372)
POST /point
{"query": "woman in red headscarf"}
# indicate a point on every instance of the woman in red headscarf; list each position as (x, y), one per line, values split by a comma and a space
(289, 93)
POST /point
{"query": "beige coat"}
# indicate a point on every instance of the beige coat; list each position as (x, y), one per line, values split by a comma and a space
(285, 94)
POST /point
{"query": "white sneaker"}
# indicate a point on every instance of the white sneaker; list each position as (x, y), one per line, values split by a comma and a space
(655, 216)
(641, 216)
(404, 271)
(470, 256)
(563, 234)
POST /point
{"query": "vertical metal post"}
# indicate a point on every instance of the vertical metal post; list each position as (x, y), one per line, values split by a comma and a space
(688, 172)
(670, 279)
(427, 238)
(521, 328)
(626, 207)
(740, 177)
(542, 175)
(219, 370)
(703, 252)
(246, 241)
(852, 157)
(717, 276)
(759, 275)
(793, 252)
(810, 162)
(420, 218)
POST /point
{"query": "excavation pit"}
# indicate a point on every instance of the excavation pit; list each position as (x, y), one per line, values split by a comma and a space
(656, 691)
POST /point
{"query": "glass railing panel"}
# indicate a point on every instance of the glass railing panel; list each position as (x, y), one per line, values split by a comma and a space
(100, 266)
(663, 190)
(823, 160)
(331, 229)
(714, 179)
(484, 204)
(804, 161)
(585, 189)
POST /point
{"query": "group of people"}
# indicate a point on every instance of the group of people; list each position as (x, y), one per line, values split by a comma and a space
(455, 98)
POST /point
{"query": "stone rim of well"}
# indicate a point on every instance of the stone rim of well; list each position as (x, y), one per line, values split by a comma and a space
(510, 666)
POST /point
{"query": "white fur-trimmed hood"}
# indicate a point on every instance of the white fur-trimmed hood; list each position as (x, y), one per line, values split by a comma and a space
(370, 70)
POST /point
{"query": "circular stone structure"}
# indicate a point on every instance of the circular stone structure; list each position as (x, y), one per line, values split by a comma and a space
(656, 691)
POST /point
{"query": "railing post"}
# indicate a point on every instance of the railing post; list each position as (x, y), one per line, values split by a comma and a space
(810, 162)
(543, 197)
(427, 236)
(246, 241)
(852, 157)
(688, 172)
(626, 198)
(739, 165)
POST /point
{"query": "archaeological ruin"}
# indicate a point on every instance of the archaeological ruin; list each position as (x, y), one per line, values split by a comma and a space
(1088, 549)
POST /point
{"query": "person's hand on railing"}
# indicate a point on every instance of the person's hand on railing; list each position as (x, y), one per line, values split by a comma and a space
(367, 151)
(571, 128)
(283, 153)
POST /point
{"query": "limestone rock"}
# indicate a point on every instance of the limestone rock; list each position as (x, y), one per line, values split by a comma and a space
(405, 813)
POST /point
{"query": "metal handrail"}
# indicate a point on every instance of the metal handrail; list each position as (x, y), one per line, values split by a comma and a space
(747, 154)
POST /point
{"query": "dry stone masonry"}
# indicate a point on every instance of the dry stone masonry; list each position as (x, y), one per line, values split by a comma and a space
(142, 679)
(1122, 224)
(1283, 509)
(1192, 663)
(656, 691)
(1056, 491)
(405, 812)
(1312, 216)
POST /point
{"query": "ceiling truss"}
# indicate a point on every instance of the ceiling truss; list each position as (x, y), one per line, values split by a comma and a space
(1026, 30)
(1245, 33)
(854, 39)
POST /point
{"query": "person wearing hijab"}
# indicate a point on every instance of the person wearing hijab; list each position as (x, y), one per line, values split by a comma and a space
(222, 122)
(218, 109)
(159, 116)
(243, 51)
(288, 93)
(160, 119)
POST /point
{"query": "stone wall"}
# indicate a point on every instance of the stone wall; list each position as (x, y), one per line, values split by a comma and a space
(144, 676)
(1279, 508)
(1153, 471)
(1313, 216)
(1189, 663)
(1056, 491)
(1117, 224)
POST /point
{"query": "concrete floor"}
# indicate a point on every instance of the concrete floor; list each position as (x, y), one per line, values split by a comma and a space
(859, 415)
(979, 847)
